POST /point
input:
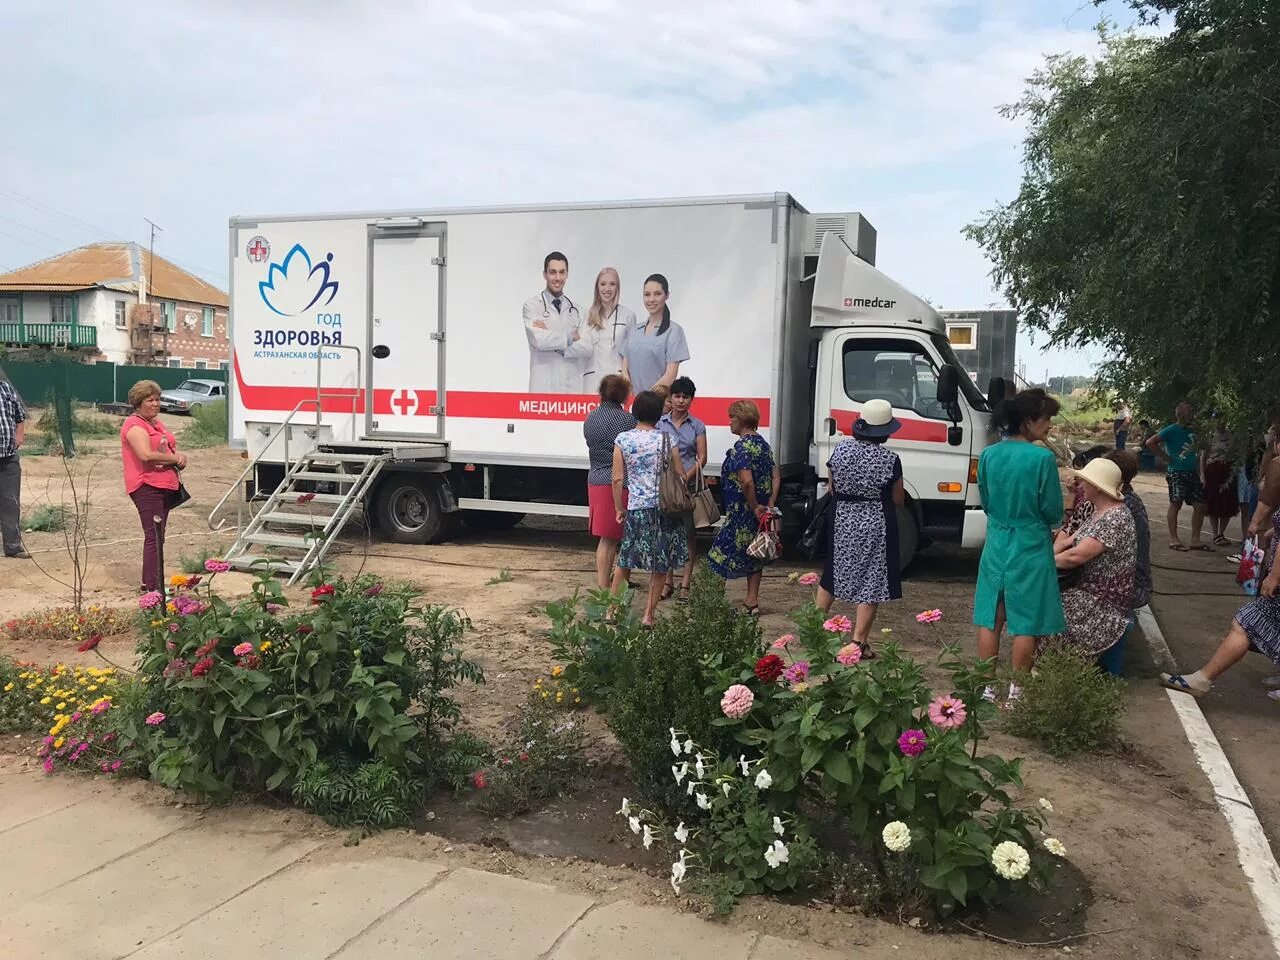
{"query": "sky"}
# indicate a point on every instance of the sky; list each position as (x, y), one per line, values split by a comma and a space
(188, 113)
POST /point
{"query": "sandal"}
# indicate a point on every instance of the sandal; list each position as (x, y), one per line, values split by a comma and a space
(682, 594)
(1180, 547)
(1221, 542)
(1201, 548)
(1175, 681)
(867, 652)
(750, 611)
(667, 592)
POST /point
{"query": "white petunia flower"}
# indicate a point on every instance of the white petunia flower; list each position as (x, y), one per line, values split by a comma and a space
(1011, 860)
(688, 791)
(688, 745)
(682, 833)
(1055, 847)
(777, 826)
(763, 780)
(648, 837)
(776, 854)
(896, 836)
(635, 824)
(680, 772)
(677, 873)
(675, 742)
(1046, 805)
(725, 787)
(742, 762)
(626, 807)
(703, 802)
(699, 767)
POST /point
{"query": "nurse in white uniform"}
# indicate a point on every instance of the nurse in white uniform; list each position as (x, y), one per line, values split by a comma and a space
(608, 323)
(553, 325)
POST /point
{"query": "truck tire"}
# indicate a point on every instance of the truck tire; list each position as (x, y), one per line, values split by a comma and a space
(407, 508)
(485, 521)
(908, 537)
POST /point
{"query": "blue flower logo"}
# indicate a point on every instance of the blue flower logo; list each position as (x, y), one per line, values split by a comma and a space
(295, 285)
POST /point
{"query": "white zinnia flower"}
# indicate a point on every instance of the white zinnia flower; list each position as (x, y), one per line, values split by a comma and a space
(626, 807)
(1046, 805)
(635, 824)
(1010, 860)
(896, 836)
(1055, 847)
(703, 802)
(680, 772)
(777, 826)
(699, 767)
(763, 780)
(648, 837)
(742, 762)
(688, 745)
(776, 854)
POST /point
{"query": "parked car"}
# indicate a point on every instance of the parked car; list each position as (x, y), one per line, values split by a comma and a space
(190, 395)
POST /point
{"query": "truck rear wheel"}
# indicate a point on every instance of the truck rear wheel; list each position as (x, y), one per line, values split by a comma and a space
(407, 508)
(908, 537)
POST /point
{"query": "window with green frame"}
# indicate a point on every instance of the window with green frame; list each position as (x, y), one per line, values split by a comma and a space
(169, 310)
(206, 322)
(62, 310)
(10, 310)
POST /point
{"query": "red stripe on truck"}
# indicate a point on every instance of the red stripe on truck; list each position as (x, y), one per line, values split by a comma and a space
(480, 405)
(927, 431)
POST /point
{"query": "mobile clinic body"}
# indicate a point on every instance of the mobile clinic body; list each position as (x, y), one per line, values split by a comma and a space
(423, 365)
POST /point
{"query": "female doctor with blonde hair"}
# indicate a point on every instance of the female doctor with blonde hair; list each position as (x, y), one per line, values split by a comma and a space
(608, 323)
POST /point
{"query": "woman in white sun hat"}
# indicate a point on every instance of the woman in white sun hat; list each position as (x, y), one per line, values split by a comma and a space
(862, 525)
(1096, 564)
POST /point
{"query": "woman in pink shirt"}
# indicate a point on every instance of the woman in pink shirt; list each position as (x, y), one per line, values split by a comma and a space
(151, 465)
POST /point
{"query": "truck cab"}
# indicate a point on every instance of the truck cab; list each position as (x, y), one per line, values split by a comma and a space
(874, 339)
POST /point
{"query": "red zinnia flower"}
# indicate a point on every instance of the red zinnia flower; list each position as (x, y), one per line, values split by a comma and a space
(769, 668)
(479, 780)
(306, 497)
(90, 644)
(208, 648)
(250, 662)
(304, 629)
(203, 667)
(319, 593)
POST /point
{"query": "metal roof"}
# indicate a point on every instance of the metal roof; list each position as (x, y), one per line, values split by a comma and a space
(115, 266)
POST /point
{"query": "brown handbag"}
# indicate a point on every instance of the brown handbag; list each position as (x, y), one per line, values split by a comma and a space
(705, 511)
(673, 493)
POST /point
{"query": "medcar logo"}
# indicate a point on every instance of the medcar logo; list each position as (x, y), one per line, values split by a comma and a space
(875, 303)
(295, 286)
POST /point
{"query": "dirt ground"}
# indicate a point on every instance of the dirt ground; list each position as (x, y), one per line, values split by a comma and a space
(1151, 870)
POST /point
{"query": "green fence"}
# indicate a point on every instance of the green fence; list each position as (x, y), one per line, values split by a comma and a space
(92, 382)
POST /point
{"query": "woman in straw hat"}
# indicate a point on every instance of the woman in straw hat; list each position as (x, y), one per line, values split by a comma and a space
(1100, 559)
(862, 527)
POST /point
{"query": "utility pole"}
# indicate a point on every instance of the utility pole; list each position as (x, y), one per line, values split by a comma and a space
(151, 269)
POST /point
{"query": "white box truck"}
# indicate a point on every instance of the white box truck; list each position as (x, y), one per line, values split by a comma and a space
(416, 363)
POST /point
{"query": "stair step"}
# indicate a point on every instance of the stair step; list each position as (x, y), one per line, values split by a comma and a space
(318, 456)
(250, 564)
(288, 497)
(302, 519)
(277, 540)
(327, 477)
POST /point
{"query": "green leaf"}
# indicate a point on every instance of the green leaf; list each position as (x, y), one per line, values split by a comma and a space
(958, 885)
(811, 755)
(219, 720)
(271, 736)
(864, 715)
(277, 778)
(836, 766)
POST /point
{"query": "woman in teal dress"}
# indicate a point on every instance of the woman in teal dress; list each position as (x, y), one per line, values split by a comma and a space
(1022, 497)
(750, 484)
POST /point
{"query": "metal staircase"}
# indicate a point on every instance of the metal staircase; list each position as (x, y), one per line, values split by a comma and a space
(318, 518)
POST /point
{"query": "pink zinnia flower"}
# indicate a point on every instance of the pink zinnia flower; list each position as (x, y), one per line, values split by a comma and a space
(797, 672)
(115, 767)
(217, 566)
(174, 628)
(929, 616)
(374, 590)
(784, 641)
(155, 719)
(48, 764)
(809, 579)
(849, 654)
(912, 742)
(838, 624)
(274, 608)
(946, 713)
(76, 716)
(736, 702)
(242, 649)
(150, 599)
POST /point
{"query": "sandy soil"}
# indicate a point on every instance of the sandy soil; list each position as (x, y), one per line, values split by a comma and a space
(1152, 869)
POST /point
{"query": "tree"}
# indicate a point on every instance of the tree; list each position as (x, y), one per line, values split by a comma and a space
(1148, 218)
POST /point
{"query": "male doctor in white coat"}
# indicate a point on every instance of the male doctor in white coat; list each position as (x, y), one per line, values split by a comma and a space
(551, 322)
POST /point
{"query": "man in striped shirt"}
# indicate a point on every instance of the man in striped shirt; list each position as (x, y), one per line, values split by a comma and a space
(13, 430)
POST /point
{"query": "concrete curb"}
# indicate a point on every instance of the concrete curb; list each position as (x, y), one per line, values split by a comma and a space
(1252, 849)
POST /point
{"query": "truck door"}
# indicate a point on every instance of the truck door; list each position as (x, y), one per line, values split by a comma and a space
(870, 365)
(406, 330)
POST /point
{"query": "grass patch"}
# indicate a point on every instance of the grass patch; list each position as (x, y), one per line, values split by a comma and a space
(504, 576)
(46, 519)
(84, 426)
(208, 426)
(1068, 705)
(40, 444)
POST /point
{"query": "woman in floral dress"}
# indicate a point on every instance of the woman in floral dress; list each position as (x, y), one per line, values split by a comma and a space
(1105, 551)
(750, 483)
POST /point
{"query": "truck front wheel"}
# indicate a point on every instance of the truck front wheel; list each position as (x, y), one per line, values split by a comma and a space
(908, 537)
(408, 509)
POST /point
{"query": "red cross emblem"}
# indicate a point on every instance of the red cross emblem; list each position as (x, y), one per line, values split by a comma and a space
(258, 250)
(405, 402)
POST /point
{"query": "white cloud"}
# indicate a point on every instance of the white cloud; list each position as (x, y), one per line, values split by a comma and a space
(189, 112)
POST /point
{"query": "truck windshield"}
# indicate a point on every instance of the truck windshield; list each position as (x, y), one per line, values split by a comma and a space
(972, 394)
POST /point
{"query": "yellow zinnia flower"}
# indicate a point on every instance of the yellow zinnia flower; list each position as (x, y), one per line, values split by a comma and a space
(62, 706)
(44, 701)
(57, 744)
(8, 687)
(93, 688)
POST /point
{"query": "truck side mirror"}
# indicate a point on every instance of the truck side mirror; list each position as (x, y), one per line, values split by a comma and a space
(1000, 389)
(948, 385)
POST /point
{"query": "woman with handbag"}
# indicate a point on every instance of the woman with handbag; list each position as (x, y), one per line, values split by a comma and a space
(652, 540)
(689, 436)
(862, 564)
(151, 463)
(751, 484)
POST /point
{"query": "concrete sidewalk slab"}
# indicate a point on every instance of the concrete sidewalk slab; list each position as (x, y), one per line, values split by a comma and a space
(48, 852)
(147, 894)
(25, 796)
(305, 912)
(473, 915)
(624, 931)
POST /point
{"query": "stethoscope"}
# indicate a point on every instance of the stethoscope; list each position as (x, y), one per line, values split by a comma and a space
(546, 304)
(616, 324)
